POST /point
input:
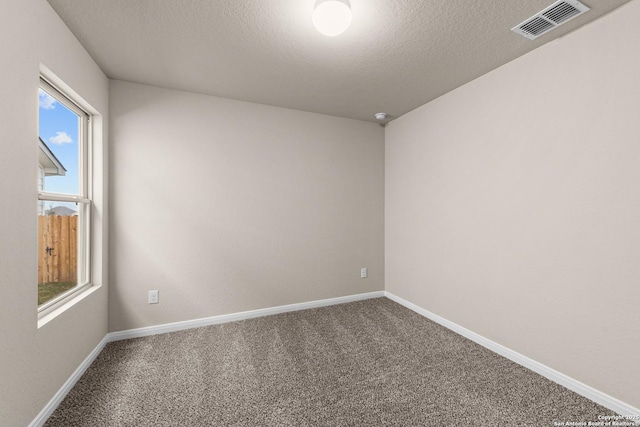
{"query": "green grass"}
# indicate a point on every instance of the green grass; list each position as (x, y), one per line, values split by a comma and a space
(48, 291)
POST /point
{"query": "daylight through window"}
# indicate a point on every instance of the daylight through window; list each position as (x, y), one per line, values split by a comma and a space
(64, 202)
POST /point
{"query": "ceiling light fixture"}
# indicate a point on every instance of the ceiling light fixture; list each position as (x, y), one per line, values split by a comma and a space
(332, 17)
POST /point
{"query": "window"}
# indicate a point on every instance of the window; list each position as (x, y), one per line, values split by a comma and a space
(64, 197)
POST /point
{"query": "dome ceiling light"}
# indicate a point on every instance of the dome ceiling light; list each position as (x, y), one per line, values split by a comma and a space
(332, 17)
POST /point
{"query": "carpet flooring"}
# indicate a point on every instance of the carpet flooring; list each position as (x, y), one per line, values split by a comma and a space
(366, 363)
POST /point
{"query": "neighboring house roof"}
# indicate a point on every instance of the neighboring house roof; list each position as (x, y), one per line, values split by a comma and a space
(61, 211)
(49, 162)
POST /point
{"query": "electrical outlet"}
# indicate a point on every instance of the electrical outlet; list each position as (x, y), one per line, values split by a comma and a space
(154, 297)
(363, 273)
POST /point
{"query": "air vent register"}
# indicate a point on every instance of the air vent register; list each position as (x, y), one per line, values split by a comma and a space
(555, 15)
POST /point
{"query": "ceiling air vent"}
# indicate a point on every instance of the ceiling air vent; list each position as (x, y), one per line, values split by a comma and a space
(557, 14)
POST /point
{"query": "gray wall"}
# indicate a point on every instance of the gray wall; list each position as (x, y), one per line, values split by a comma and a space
(513, 205)
(35, 363)
(227, 206)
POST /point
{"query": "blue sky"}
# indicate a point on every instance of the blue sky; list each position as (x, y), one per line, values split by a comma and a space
(58, 128)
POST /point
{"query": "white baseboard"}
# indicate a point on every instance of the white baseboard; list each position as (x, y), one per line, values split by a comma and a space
(574, 385)
(46, 412)
(68, 385)
(547, 372)
(207, 321)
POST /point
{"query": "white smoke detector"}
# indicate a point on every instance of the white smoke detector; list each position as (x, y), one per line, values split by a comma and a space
(381, 116)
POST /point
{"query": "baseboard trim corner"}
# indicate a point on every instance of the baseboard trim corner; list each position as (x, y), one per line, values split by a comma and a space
(582, 389)
(225, 318)
(57, 398)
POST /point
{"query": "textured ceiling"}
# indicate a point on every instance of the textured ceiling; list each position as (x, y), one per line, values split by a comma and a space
(396, 56)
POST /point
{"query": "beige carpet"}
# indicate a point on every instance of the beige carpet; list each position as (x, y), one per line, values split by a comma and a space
(367, 363)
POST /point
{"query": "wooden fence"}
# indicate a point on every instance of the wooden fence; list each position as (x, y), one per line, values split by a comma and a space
(57, 248)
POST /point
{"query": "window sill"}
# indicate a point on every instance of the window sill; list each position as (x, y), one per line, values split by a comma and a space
(47, 316)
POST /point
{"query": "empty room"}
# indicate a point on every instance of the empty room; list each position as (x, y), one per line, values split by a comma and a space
(320, 213)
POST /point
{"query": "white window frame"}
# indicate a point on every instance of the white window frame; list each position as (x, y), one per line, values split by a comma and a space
(83, 199)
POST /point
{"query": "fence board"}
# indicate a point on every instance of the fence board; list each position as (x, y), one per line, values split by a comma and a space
(73, 248)
(57, 248)
(55, 244)
(63, 265)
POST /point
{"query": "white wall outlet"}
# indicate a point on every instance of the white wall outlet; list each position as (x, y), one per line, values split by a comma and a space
(154, 296)
(363, 273)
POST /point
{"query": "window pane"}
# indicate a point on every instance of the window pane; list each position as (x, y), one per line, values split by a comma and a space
(59, 151)
(58, 233)
(61, 245)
